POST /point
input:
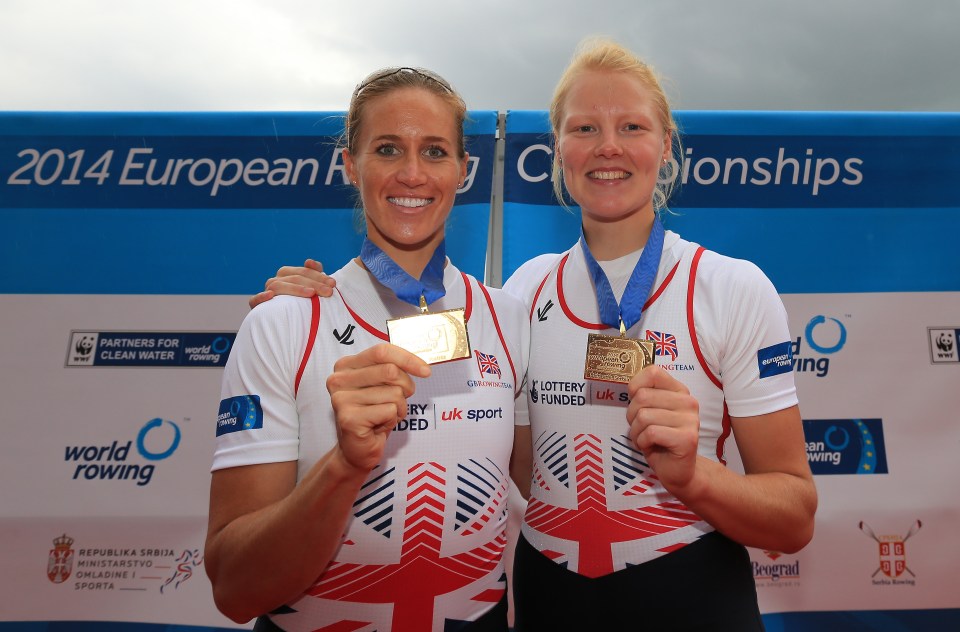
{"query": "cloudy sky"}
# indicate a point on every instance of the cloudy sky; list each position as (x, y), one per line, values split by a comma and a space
(502, 54)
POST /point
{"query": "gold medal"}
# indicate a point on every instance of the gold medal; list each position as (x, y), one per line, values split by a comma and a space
(435, 337)
(616, 358)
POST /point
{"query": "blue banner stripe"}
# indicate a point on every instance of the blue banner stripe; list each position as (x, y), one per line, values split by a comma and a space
(834, 250)
(831, 250)
(189, 251)
(528, 122)
(849, 621)
(864, 620)
(164, 171)
(776, 170)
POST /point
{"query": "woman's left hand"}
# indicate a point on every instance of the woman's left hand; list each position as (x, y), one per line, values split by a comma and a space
(664, 423)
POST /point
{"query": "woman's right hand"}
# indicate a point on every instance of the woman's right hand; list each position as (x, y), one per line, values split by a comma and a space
(368, 392)
(305, 281)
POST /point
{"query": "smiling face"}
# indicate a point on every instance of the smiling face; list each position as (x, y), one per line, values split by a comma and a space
(612, 144)
(405, 164)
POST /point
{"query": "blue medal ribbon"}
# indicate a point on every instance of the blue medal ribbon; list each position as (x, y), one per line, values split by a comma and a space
(627, 313)
(408, 289)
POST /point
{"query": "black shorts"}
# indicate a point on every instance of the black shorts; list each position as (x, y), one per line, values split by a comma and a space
(706, 586)
(494, 620)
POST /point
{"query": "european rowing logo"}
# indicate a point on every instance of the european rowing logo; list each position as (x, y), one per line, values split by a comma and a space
(845, 446)
(242, 412)
(893, 554)
(60, 560)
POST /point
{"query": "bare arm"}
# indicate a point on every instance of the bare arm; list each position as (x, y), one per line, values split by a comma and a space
(261, 519)
(772, 506)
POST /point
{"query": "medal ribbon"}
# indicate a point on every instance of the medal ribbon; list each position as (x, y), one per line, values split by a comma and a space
(627, 313)
(408, 289)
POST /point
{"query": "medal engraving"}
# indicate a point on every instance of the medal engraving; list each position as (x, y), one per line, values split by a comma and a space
(435, 337)
(615, 359)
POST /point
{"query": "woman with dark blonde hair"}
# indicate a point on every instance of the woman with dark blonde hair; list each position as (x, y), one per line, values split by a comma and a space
(351, 488)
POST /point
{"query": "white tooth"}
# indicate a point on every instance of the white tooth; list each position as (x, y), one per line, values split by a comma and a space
(609, 175)
(409, 202)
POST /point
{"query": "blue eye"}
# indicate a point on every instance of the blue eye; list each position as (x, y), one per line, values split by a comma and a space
(387, 149)
(435, 151)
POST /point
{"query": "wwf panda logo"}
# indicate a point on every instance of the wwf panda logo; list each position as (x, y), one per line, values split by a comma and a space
(945, 342)
(84, 346)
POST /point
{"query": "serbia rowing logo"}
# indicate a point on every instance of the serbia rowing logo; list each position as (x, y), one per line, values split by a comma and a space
(893, 552)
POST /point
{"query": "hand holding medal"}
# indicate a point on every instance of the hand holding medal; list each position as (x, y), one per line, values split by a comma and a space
(368, 393)
(664, 423)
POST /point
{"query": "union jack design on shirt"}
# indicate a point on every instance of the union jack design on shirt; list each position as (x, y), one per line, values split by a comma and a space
(594, 524)
(425, 578)
(664, 344)
(488, 363)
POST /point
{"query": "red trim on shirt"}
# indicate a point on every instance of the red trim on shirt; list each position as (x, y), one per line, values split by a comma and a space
(311, 338)
(533, 305)
(468, 308)
(496, 323)
(725, 421)
(662, 287)
(723, 433)
(691, 283)
(370, 328)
